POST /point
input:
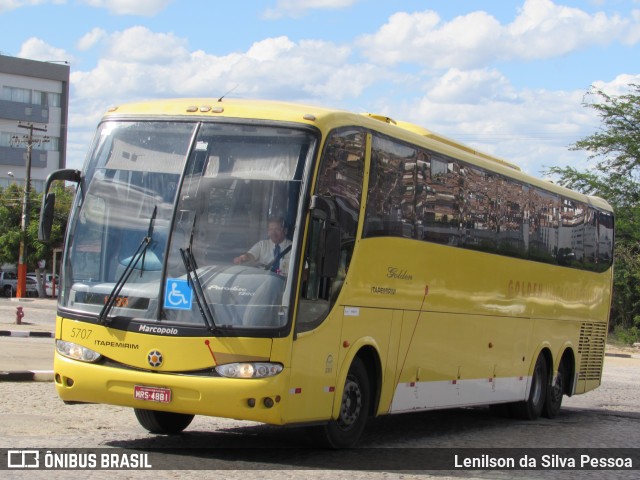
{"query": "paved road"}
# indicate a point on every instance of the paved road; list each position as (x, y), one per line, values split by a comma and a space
(32, 416)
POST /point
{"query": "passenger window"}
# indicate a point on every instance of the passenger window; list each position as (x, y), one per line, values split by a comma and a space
(571, 233)
(480, 217)
(445, 198)
(605, 240)
(512, 199)
(392, 202)
(543, 226)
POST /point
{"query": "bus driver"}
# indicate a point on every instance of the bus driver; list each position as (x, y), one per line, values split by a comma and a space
(270, 250)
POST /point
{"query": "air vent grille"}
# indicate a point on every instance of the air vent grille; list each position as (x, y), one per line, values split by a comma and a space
(591, 348)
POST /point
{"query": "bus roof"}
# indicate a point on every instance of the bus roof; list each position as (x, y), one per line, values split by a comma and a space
(441, 138)
(326, 119)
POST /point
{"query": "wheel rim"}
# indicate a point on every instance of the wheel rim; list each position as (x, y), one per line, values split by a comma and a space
(557, 389)
(351, 407)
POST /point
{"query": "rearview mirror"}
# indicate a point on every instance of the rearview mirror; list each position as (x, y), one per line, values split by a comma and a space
(46, 217)
(49, 200)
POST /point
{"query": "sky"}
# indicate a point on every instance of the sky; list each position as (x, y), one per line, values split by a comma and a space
(508, 77)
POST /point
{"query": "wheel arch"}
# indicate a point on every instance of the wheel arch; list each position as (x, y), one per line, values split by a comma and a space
(566, 355)
(544, 350)
(371, 359)
(367, 351)
(568, 358)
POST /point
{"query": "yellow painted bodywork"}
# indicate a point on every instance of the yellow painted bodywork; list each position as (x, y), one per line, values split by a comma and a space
(463, 315)
(431, 313)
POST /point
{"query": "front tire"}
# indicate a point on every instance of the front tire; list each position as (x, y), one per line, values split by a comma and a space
(532, 407)
(162, 422)
(346, 430)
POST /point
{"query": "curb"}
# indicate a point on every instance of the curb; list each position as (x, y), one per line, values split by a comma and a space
(619, 355)
(13, 333)
(27, 376)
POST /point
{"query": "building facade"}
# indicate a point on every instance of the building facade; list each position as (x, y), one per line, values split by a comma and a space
(37, 93)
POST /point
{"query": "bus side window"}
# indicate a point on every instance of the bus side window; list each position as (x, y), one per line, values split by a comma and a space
(605, 240)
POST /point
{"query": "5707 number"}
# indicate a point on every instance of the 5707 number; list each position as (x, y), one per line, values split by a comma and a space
(81, 333)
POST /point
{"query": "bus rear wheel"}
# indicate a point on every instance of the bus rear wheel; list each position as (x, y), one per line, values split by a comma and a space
(162, 422)
(555, 393)
(345, 431)
(532, 407)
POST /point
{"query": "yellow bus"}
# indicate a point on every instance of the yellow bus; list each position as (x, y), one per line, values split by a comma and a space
(295, 265)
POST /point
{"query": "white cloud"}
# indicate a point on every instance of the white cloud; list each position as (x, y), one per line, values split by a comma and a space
(8, 5)
(542, 29)
(90, 39)
(531, 128)
(270, 48)
(471, 87)
(298, 8)
(138, 62)
(471, 103)
(619, 85)
(36, 49)
(141, 45)
(130, 7)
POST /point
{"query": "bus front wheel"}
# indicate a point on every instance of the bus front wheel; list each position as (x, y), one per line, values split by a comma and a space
(346, 430)
(531, 408)
(162, 422)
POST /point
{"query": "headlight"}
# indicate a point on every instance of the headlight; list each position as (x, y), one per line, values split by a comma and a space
(77, 352)
(249, 370)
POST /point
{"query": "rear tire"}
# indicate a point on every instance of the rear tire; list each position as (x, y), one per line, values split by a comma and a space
(531, 408)
(162, 422)
(346, 430)
(555, 393)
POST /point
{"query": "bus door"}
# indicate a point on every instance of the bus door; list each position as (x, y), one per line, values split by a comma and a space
(331, 234)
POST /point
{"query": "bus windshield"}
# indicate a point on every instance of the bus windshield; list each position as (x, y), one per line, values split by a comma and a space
(187, 223)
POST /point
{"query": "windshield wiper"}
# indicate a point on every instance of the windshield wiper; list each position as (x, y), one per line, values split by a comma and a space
(135, 258)
(192, 274)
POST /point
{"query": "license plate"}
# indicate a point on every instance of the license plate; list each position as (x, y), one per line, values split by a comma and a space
(152, 394)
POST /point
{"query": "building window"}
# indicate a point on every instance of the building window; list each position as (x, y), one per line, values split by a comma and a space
(5, 139)
(39, 98)
(54, 99)
(53, 145)
(33, 97)
(14, 94)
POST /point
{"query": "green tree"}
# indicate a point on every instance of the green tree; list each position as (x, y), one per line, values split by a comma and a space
(615, 148)
(11, 224)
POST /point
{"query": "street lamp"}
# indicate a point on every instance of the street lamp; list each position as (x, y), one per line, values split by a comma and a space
(29, 141)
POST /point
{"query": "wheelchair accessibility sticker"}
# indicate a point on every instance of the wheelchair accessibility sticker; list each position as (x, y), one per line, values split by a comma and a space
(178, 294)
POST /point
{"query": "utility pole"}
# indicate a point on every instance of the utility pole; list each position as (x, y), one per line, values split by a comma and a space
(28, 140)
